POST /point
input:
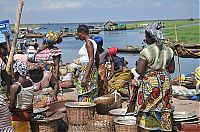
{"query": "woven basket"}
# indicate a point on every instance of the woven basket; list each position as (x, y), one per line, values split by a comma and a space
(101, 123)
(125, 124)
(49, 125)
(105, 100)
(79, 113)
(77, 128)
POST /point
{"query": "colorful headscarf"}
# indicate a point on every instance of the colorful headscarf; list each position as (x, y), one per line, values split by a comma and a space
(112, 51)
(20, 67)
(51, 37)
(155, 30)
(98, 39)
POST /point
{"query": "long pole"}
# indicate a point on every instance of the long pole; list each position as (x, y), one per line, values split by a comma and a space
(176, 33)
(16, 31)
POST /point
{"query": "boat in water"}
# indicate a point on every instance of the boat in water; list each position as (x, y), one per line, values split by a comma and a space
(94, 30)
(64, 32)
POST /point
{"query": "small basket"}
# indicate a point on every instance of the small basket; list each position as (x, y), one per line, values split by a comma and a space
(105, 100)
(101, 123)
(125, 124)
(49, 125)
(79, 113)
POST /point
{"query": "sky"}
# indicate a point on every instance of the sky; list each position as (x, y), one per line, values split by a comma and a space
(77, 11)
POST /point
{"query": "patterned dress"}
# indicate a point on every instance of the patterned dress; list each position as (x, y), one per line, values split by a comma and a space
(154, 98)
(88, 93)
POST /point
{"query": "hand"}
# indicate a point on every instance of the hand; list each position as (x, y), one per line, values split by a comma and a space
(54, 97)
(84, 82)
(7, 35)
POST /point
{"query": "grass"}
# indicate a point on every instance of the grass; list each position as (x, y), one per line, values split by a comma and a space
(167, 23)
(184, 34)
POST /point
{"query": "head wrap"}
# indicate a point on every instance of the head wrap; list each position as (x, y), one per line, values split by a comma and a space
(112, 51)
(155, 30)
(98, 39)
(51, 37)
(34, 66)
(21, 68)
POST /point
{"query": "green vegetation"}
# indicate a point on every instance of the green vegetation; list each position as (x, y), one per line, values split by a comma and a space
(189, 34)
(27, 25)
(167, 23)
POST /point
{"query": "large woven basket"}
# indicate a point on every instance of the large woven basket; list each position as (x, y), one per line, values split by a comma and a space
(77, 128)
(101, 123)
(125, 124)
(79, 113)
(49, 125)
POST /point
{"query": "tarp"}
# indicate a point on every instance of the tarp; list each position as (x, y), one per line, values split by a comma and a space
(5, 27)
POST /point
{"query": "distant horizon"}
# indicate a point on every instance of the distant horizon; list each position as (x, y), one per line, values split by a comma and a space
(109, 20)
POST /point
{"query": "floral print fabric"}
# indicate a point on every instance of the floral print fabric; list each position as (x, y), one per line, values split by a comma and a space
(154, 100)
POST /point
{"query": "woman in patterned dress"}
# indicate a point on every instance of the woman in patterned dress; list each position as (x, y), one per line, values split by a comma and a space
(49, 54)
(104, 57)
(154, 99)
(86, 84)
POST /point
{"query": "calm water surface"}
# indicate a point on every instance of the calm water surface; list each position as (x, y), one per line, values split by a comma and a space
(70, 46)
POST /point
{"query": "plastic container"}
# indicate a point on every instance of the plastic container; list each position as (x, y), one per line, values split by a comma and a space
(5, 27)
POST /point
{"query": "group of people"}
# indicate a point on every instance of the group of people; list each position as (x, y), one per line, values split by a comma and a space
(101, 72)
(153, 104)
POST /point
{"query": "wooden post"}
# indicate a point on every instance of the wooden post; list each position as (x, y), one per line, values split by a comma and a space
(176, 33)
(179, 69)
(16, 31)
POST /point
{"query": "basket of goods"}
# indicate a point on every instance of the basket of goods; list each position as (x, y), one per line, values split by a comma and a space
(47, 124)
(79, 113)
(105, 100)
(125, 124)
(101, 123)
(106, 103)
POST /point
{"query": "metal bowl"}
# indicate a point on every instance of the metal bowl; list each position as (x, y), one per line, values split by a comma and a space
(126, 120)
(59, 106)
(120, 112)
(80, 104)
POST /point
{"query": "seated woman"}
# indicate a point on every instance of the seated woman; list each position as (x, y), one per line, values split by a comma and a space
(21, 98)
(122, 75)
(45, 84)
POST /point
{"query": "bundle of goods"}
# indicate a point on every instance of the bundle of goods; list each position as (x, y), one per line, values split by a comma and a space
(107, 102)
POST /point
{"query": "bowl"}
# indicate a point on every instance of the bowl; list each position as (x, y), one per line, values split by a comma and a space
(59, 106)
(105, 100)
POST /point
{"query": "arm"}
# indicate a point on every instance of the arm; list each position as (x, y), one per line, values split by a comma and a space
(7, 42)
(141, 66)
(97, 59)
(90, 51)
(171, 66)
(54, 85)
(6, 79)
(56, 64)
(15, 89)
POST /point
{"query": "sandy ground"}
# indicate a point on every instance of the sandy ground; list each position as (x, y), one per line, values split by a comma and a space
(179, 105)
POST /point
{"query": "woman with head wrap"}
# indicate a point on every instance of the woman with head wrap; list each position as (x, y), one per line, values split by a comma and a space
(45, 84)
(49, 54)
(21, 98)
(104, 57)
(154, 99)
(86, 84)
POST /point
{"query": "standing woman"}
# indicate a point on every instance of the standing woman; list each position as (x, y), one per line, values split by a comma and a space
(49, 54)
(154, 99)
(104, 57)
(86, 84)
(21, 98)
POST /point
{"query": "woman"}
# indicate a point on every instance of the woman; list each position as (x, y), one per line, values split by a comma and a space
(21, 98)
(104, 57)
(49, 54)
(86, 84)
(122, 75)
(154, 99)
(45, 84)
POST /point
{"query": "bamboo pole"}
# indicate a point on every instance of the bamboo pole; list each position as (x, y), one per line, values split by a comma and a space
(16, 31)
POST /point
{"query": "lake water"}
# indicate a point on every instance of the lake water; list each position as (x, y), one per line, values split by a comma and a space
(70, 46)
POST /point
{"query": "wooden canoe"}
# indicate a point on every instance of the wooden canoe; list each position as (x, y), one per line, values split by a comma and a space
(32, 35)
(130, 50)
(186, 53)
